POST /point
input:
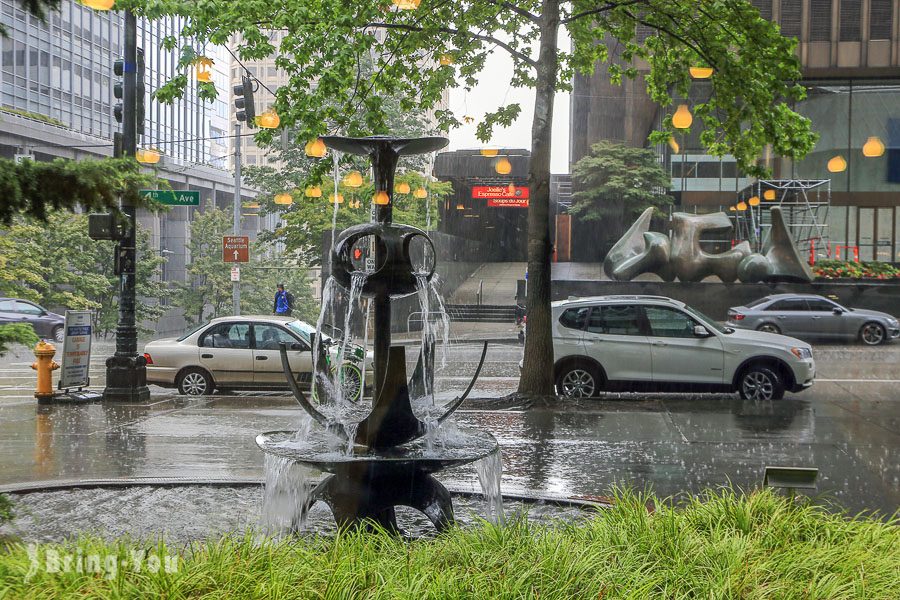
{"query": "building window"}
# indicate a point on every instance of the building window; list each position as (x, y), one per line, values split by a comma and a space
(851, 20)
(819, 20)
(880, 19)
(765, 8)
(790, 17)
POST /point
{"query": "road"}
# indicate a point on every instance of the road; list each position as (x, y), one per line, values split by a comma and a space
(847, 425)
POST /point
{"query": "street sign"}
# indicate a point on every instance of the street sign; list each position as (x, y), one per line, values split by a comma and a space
(173, 197)
(236, 248)
(235, 273)
(76, 355)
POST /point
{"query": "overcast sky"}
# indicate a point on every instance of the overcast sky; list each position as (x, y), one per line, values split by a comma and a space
(493, 91)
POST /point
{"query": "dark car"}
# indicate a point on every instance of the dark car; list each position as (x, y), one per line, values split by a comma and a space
(46, 324)
(807, 316)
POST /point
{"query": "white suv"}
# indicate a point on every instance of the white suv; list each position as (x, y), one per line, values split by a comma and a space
(644, 343)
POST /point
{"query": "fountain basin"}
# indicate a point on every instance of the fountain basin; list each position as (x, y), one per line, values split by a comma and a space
(319, 450)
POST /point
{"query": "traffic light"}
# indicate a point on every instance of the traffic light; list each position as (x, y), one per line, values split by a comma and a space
(139, 91)
(358, 253)
(119, 89)
(243, 101)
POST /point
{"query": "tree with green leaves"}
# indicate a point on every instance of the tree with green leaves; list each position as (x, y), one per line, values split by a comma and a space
(207, 292)
(56, 264)
(615, 183)
(323, 42)
(307, 220)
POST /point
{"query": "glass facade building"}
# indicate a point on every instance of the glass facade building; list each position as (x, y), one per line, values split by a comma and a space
(62, 70)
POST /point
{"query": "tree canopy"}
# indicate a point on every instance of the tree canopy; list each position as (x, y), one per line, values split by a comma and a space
(443, 44)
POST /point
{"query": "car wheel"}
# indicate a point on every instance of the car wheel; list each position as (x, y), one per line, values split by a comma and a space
(350, 379)
(768, 328)
(872, 334)
(760, 383)
(195, 382)
(578, 380)
(59, 334)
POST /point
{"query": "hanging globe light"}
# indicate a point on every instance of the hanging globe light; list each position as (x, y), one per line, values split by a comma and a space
(353, 179)
(446, 59)
(420, 193)
(701, 72)
(837, 164)
(503, 166)
(99, 4)
(682, 118)
(147, 156)
(381, 198)
(407, 4)
(401, 188)
(753, 201)
(732, 209)
(284, 198)
(742, 205)
(313, 191)
(251, 205)
(873, 148)
(489, 152)
(338, 200)
(315, 148)
(769, 194)
(269, 119)
(201, 66)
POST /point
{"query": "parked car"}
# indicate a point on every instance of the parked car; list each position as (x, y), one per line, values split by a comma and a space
(46, 324)
(807, 316)
(244, 352)
(646, 343)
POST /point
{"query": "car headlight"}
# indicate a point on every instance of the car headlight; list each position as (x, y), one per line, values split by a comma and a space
(893, 322)
(801, 352)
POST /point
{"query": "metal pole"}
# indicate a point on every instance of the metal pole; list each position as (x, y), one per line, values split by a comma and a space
(236, 225)
(126, 371)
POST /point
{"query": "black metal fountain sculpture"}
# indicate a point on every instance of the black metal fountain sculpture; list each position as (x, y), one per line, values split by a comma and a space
(389, 463)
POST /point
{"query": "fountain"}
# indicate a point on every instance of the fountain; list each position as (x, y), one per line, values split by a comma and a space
(388, 457)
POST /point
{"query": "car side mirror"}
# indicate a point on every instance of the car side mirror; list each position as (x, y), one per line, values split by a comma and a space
(44, 313)
(701, 331)
(298, 346)
(837, 311)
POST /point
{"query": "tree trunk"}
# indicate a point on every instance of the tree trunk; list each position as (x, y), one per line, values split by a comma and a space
(537, 371)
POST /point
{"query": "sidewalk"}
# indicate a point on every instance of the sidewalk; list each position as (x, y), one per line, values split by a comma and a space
(469, 332)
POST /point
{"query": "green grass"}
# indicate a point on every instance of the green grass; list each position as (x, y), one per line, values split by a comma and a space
(723, 545)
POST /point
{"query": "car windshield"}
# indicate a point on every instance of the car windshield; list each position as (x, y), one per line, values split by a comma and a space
(306, 331)
(192, 332)
(708, 321)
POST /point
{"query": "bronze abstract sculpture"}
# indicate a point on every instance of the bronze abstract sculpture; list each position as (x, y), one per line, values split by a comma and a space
(643, 251)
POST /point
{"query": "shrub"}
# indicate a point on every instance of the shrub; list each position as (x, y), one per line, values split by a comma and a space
(836, 269)
(6, 509)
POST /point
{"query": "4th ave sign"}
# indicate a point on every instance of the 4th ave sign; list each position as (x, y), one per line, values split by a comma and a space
(173, 197)
(236, 249)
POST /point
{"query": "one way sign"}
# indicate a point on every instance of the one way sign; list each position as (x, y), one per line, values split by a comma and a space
(236, 249)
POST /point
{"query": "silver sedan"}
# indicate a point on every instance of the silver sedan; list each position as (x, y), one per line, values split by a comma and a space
(807, 316)
(245, 353)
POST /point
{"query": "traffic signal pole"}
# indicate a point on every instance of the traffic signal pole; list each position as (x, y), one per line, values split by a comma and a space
(126, 370)
(236, 225)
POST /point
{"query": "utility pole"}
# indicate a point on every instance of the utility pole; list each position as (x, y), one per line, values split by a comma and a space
(126, 370)
(236, 225)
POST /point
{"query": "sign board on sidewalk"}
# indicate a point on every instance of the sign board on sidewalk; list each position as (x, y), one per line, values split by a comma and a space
(502, 196)
(173, 197)
(76, 354)
(236, 248)
(235, 273)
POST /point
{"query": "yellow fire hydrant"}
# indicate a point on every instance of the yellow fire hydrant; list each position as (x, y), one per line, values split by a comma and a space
(44, 365)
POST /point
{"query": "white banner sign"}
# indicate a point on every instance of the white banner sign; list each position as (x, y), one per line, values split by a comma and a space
(76, 355)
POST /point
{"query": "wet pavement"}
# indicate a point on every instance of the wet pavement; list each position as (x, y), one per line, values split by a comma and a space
(847, 425)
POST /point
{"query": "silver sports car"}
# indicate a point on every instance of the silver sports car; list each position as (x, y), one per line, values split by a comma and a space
(807, 316)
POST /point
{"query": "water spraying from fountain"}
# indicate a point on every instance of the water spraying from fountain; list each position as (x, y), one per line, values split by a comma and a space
(387, 455)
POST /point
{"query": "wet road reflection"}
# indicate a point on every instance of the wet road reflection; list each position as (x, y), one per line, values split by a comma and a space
(670, 443)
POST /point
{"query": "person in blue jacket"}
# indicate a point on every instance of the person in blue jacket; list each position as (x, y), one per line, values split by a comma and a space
(284, 302)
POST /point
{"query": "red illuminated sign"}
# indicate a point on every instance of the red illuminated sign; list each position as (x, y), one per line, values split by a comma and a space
(502, 196)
